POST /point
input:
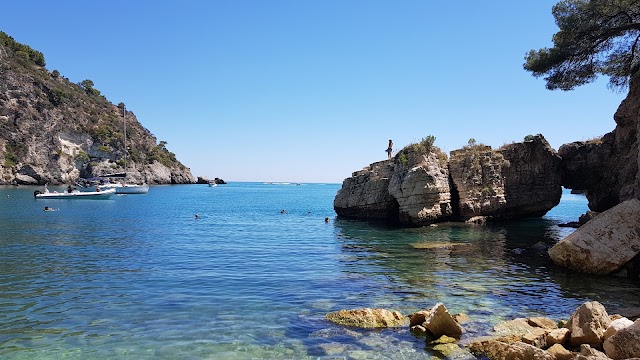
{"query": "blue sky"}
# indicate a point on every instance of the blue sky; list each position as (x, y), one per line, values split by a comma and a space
(310, 91)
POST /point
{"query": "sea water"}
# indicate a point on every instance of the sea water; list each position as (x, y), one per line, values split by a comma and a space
(255, 273)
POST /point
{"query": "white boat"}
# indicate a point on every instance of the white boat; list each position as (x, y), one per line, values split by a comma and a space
(119, 187)
(120, 183)
(74, 194)
(212, 183)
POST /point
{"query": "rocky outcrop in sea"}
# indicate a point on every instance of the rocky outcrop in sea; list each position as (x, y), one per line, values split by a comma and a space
(413, 189)
(420, 186)
(607, 168)
(518, 180)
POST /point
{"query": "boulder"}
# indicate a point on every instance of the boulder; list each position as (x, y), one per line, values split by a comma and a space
(440, 323)
(518, 327)
(558, 336)
(604, 244)
(588, 324)
(368, 318)
(625, 344)
(542, 322)
(589, 353)
(418, 318)
(559, 352)
(498, 350)
(615, 326)
(537, 337)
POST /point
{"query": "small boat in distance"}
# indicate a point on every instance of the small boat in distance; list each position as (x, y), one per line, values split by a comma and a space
(74, 194)
(212, 183)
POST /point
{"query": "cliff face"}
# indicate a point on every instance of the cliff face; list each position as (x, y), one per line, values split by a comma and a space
(518, 180)
(52, 130)
(607, 168)
(412, 188)
(365, 195)
(416, 188)
(476, 173)
(420, 185)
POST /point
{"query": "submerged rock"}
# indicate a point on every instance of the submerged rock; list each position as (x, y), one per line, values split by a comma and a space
(368, 318)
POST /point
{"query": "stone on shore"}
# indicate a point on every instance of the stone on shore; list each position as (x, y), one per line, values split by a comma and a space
(440, 322)
(616, 325)
(588, 324)
(625, 344)
(604, 244)
(496, 349)
(368, 318)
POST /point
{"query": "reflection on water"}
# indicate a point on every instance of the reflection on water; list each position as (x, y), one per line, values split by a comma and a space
(138, 277)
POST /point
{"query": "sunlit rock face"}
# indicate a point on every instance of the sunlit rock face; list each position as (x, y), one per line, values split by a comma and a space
(365, 195)
(604, 244)
(54, 131)
(607, 168)
(516, 181)
(412, 189)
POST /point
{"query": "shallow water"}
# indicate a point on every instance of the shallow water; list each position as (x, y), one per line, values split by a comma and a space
(138, 276)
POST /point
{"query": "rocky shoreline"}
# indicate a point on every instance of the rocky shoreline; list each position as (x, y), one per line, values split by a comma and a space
(589, 333)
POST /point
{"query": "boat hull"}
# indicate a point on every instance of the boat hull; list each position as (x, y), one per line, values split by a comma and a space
(121, 188)
(77, 195)
(132, 189)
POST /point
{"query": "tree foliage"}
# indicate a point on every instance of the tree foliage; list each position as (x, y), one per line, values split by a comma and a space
(595, 37)
(88, 87)
(24, 51)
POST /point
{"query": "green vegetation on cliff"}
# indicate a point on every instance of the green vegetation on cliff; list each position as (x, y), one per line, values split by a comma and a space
(50, 125)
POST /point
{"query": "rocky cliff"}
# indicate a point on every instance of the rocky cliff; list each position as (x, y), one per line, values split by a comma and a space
(607, 168)
(52, 130)
(412, 189)
(419, 188)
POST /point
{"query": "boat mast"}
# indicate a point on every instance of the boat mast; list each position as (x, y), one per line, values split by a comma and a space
(124, 121)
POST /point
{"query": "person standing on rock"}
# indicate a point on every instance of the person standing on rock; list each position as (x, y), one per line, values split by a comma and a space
(390, 148)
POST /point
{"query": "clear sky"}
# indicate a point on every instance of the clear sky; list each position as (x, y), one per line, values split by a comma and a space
(310, 91)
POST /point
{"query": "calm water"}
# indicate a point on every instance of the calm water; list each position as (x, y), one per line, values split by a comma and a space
(139, 277)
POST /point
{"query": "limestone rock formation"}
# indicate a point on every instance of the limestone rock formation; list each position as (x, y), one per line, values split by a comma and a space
(607, 168)
(515, 181)
(476, 172)
(415, 188)
(412, 188)
(588, 324)
(368, 318)
(440, 322)
(365, 195)
(604, 244)
(421, 188)
(55, 131)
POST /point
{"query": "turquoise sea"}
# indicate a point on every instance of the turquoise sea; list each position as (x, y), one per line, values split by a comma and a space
(140, 277)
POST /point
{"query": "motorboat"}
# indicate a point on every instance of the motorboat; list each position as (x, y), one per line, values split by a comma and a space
(212, 183)
(74, 194)
(121, 187)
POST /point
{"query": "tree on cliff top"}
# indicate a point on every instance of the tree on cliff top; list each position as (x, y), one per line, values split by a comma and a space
(595, 37)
